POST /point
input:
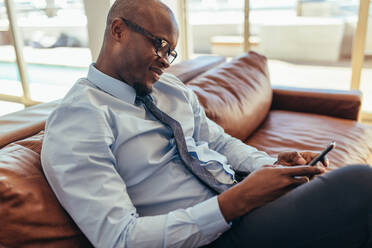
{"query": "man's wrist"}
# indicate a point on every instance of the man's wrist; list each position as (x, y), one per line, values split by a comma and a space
(231, 204)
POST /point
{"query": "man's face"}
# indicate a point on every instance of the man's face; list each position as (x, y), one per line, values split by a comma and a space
(141, 67)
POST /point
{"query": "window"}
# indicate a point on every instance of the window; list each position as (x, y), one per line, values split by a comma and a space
(309, 43)
(9, 79)
(215, 23)
(54, 47)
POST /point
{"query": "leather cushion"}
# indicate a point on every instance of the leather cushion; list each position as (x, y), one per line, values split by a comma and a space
(237, 95)
(29, 212)
(25, 123)
(292, 131)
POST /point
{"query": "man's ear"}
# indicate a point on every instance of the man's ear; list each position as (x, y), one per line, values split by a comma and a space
(118, 29)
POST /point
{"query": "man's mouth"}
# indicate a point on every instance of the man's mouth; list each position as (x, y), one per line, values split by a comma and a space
(156, 72)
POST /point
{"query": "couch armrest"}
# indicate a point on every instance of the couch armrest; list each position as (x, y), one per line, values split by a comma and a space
(24, 123)
(337, 103)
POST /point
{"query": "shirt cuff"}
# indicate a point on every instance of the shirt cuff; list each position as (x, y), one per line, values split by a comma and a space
(209, 218)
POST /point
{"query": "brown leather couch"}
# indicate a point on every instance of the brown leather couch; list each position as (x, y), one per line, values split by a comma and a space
(236, 94)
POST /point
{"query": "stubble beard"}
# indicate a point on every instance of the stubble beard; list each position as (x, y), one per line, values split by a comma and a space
(141, 89)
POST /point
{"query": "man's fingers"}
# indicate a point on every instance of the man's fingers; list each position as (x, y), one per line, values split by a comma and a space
(324, 161)
(300, 180)
(297, 158)
(291, 158)
(302, 170)
(308, 156)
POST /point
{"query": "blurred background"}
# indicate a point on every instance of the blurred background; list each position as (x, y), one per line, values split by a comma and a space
(309, 43)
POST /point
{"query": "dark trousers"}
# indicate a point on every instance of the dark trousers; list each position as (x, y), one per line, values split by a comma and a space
(333, 210)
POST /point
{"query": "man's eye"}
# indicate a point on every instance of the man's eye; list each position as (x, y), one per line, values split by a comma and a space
(157, 44)
(164, 45)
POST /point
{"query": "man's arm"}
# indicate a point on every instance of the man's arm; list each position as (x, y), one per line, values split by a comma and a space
(263, 186)
(258, 188)
(239, 155)
(81, 169)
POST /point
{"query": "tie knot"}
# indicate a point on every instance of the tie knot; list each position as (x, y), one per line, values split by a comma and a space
(143, 99)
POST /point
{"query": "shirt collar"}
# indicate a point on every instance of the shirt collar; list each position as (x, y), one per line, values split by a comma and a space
(111, 85)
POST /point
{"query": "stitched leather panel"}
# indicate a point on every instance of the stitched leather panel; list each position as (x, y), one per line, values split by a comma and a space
(237, 95)
(30, 214)
(291, 131)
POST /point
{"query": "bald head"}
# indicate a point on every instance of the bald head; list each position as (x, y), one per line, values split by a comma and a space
(133, 55)
(141, 12)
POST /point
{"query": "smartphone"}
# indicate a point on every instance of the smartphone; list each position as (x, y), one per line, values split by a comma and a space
(323, 153)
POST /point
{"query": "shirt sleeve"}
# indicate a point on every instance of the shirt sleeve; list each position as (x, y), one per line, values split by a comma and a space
(239, 155)
(81, 169)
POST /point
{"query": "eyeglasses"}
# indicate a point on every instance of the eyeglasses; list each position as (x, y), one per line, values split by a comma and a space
(162, 47)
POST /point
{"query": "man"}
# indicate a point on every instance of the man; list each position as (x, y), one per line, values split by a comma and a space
(123, 175)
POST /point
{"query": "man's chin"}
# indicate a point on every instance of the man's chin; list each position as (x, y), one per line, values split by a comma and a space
(142, 89)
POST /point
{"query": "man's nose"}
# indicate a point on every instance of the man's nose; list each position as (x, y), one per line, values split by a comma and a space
(164, 61)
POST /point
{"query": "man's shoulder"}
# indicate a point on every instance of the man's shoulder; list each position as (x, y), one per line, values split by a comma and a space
(170, 83)
(173, 88)
(82, 95)
(83, 90)
(171, 80)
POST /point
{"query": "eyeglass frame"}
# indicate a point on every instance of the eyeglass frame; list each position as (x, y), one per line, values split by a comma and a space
(157, 41)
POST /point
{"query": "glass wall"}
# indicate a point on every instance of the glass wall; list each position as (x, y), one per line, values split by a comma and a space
(55, 45)
(216, 26)
(308, 42)
(9, 77)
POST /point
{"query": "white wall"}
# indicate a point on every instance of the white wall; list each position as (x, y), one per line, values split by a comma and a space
(96, 12)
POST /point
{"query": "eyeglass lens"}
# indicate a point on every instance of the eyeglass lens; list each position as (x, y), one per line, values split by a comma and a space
(164, 51)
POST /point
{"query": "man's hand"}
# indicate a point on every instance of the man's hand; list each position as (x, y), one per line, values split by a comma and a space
(298, 158)
(263, 186)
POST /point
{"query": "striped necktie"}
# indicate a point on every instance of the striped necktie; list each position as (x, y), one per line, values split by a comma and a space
(191, 163)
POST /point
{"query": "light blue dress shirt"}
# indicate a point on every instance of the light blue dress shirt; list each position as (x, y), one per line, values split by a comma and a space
(116, 171)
